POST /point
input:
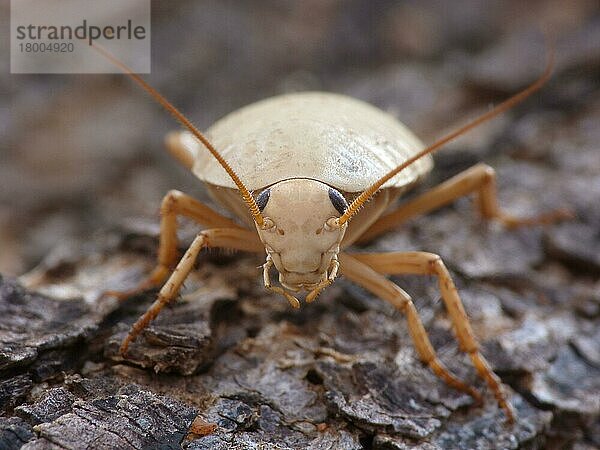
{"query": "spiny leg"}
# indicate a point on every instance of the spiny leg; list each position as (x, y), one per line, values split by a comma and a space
(422, 263)
(173, 204)
(368, 278)
(479, 179)
(231, 238)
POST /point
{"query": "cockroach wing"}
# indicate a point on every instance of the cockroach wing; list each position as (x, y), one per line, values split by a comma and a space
(332, 138)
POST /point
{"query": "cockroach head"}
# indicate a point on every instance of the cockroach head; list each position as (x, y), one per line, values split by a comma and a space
(300, 231)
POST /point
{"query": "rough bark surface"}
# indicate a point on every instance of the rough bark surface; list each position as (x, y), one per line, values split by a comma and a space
(340, 373)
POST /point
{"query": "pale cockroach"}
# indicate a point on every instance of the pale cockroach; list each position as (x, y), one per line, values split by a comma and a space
(314, 173)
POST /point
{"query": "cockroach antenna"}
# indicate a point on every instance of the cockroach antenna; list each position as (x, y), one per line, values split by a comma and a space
(180, 117)
(499, 109)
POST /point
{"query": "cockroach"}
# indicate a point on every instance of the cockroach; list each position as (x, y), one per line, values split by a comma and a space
(315, 173)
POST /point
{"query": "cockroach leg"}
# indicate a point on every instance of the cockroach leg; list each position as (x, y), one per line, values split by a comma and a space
(422, 263)
(231, 238)
(174, 204)
(365, 276)
(479, 179)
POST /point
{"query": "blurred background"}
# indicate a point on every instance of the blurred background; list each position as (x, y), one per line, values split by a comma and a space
(83, 153)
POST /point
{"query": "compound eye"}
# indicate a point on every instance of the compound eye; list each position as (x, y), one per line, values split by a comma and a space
(263, 199)
(338, 201)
